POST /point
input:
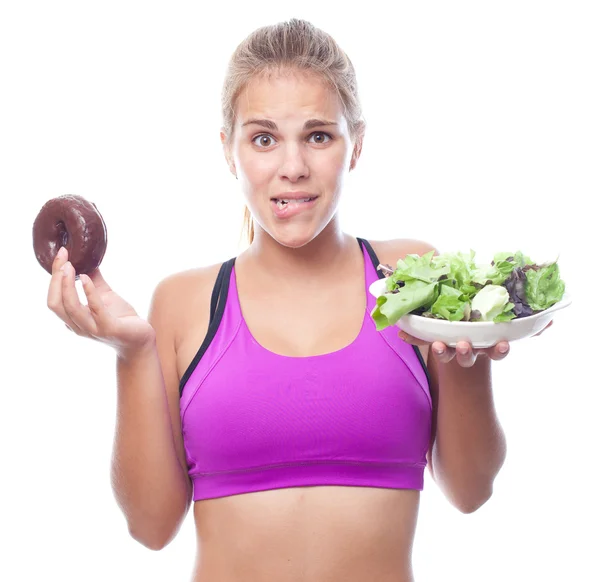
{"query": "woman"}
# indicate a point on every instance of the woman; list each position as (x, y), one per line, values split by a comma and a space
(259, 387)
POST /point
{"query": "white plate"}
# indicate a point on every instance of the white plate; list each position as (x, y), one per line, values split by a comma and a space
(481, 334)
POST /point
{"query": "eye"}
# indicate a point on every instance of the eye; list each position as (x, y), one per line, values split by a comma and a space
(262, 136)
(323, 134)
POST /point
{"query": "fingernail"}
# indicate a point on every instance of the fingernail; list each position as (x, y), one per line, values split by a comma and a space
(65, 268)
(503, 349)
(439, 351)
(462, 350)
(61, 253)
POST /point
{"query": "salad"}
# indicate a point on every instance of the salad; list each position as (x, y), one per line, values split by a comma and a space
(453, 287)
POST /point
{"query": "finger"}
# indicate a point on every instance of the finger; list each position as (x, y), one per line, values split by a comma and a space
(54, 299)
(62, 256)
(442, 352)
(96, 306)
(77, 314)
(499, 351)
(465, 356)
(98, 280)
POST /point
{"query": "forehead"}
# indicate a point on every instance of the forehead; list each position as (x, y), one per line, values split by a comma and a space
(286, 96)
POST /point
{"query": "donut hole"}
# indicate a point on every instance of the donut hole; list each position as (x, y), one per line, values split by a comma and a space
(63, 235)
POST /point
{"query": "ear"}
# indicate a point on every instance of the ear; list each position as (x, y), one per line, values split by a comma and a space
(227, 152)
(357, 145)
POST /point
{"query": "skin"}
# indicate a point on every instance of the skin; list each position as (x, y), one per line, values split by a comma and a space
(316, 534)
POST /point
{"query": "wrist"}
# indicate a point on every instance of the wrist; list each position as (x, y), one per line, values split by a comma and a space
(129, 354)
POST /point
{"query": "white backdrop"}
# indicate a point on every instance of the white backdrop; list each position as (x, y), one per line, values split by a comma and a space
(483, 125)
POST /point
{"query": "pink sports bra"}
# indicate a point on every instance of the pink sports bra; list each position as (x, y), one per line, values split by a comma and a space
(254, 420)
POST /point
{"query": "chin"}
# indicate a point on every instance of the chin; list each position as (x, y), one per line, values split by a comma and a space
(293, 236)
(294, 241)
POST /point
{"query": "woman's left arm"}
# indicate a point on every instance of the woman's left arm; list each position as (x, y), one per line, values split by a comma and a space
(468, 446)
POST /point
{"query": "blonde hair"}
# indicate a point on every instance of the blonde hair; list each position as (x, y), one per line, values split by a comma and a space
(295, 45)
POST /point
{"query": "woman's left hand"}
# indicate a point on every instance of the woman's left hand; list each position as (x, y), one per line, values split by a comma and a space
(464, 352)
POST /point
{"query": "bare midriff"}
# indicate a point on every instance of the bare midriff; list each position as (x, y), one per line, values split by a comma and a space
(307, 534)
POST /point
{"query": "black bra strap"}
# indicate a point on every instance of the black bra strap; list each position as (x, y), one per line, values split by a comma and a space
(216, 291)
(373, 256)
(217, 308)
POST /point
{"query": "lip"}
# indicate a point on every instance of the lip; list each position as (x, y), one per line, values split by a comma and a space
(293, 208)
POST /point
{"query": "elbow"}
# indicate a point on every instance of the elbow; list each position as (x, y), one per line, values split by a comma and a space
(157, 532)
(471, 492)
(151, 538)
(466, 495)
(472, 502)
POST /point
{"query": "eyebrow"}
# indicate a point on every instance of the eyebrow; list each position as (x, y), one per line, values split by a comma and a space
(273, 126)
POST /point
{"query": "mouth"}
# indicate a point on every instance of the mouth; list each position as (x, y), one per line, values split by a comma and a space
(282, 202)
(287, 207)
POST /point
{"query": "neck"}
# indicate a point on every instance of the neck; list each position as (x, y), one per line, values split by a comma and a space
(324, 254)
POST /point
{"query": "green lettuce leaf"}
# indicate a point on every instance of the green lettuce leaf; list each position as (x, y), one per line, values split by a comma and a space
(415, 267)
(460, 267)
(392, 306)
(544, 287)
(507, 314)
(517, 259)
(500, 269)
(449, 304)
(490, 302)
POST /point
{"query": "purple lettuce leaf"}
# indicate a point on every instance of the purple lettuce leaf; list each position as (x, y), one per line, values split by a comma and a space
(515, 285)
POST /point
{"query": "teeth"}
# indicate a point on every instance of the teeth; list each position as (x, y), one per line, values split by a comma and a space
(283, 202)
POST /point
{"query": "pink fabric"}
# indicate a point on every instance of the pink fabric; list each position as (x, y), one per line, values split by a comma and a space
(253, 420)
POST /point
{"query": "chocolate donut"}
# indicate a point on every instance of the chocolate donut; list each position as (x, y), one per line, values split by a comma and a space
(72, 222)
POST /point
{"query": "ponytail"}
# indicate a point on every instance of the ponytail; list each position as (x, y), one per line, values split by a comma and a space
(248, 227)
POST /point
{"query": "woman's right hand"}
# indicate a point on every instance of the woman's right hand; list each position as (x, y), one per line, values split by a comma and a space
(107, 317)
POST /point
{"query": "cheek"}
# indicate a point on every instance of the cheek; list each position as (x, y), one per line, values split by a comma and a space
(260, 169)
(257, 170)
(330, 169)
(337, 169)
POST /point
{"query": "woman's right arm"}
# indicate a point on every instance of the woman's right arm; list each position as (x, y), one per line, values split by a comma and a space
(148, 470)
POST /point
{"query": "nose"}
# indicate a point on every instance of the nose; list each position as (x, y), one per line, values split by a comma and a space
(293, 166)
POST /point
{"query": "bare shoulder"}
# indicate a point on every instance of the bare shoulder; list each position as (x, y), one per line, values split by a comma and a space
(389, 251)
(183, 293)
(184, 282)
